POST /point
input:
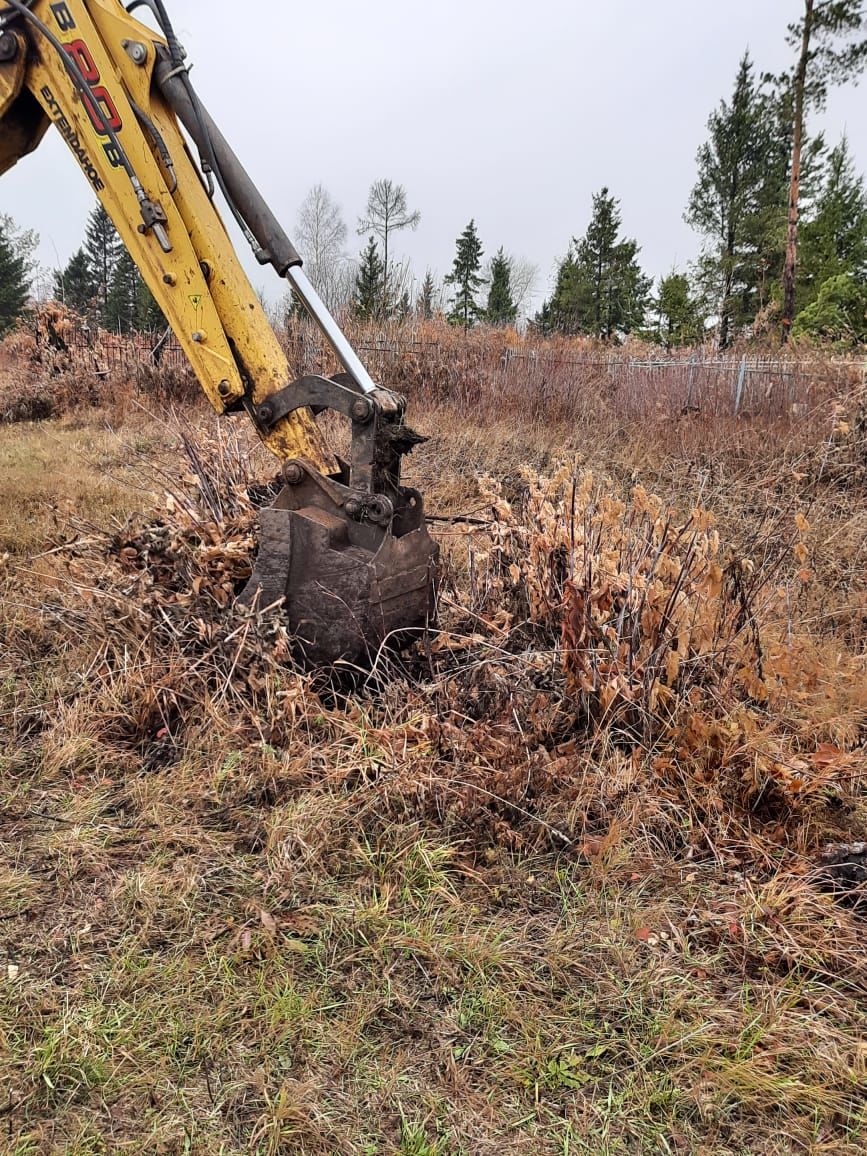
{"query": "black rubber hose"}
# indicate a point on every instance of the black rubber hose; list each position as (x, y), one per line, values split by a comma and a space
(177, 56)
(77, 79)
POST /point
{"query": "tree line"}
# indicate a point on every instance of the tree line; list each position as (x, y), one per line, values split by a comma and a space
(377, 287)
(100, 281)
(782, 219)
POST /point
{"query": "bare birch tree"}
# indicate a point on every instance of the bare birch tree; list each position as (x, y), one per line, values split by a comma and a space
(321, 233)
(386, 213)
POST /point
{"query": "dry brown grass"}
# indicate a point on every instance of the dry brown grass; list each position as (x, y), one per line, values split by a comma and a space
(529, 890)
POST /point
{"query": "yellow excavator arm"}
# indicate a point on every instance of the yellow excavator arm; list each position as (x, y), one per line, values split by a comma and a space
(345, 548)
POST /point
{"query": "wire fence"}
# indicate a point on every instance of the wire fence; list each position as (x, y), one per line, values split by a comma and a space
(676, 383)
(699, 382)
(104, 353)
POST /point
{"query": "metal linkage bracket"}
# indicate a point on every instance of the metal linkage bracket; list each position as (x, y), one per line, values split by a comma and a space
(379, 437)
(319, 393)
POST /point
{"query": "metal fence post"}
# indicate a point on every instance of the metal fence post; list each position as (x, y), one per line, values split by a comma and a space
(739, 392)
(693, 363)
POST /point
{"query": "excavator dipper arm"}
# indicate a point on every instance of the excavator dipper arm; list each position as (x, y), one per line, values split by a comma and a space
(345, 548)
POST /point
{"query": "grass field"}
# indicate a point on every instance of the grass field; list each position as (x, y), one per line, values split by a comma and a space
(548, 886)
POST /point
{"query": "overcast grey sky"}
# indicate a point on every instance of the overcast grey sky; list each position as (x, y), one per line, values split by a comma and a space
(506, 111)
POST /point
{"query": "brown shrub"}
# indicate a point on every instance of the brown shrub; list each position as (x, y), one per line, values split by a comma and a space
(605, 666)
(54, 365)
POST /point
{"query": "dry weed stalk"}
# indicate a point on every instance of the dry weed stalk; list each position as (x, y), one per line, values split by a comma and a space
(257, 909)
(606, 666)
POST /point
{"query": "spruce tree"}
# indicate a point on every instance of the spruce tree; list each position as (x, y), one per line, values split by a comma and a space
(425, 302)
(679, 319)
(74, 284)
(831, 42)
(600, 288)
(150, 316)
(559, 315)
(103, 247)
(404, 306)
(501, 309)
(544, 323)
(728, 201)
(14, 282)
(122, 308)
(369, 284)
(834, 239)
(466, 279)
(131, 305)
(838, 315)
(25, 243)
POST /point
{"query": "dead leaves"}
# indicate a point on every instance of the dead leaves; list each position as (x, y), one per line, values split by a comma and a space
(640, 601)
(662, 634)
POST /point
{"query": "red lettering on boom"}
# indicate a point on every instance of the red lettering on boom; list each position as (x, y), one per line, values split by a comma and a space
(100, 108)
(80, 54)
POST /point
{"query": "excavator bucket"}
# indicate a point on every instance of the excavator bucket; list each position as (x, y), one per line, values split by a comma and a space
(348, 557)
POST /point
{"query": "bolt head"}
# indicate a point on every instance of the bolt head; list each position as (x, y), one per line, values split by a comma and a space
(224, 389)
(266, 413)
(361, 410)
(381, 510)
(8, 46)
(293, 473)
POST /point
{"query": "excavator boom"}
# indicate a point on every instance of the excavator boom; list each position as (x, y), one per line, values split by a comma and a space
(345, 549)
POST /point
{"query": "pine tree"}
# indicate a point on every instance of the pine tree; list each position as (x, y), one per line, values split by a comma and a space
(600, 288)
(369, 283)
(122, 307)
(501, 309)
(764, 228)
(131, 305)
(838, 315)
(14, 282)
(834, 239)
(831, 40)
(103, 248)
(425, 302)
(729, 200)
(679, 319)
(74, 284)
(466, 279)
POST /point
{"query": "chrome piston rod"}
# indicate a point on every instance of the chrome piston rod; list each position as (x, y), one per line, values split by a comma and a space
(275, 247)
(331, 331)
